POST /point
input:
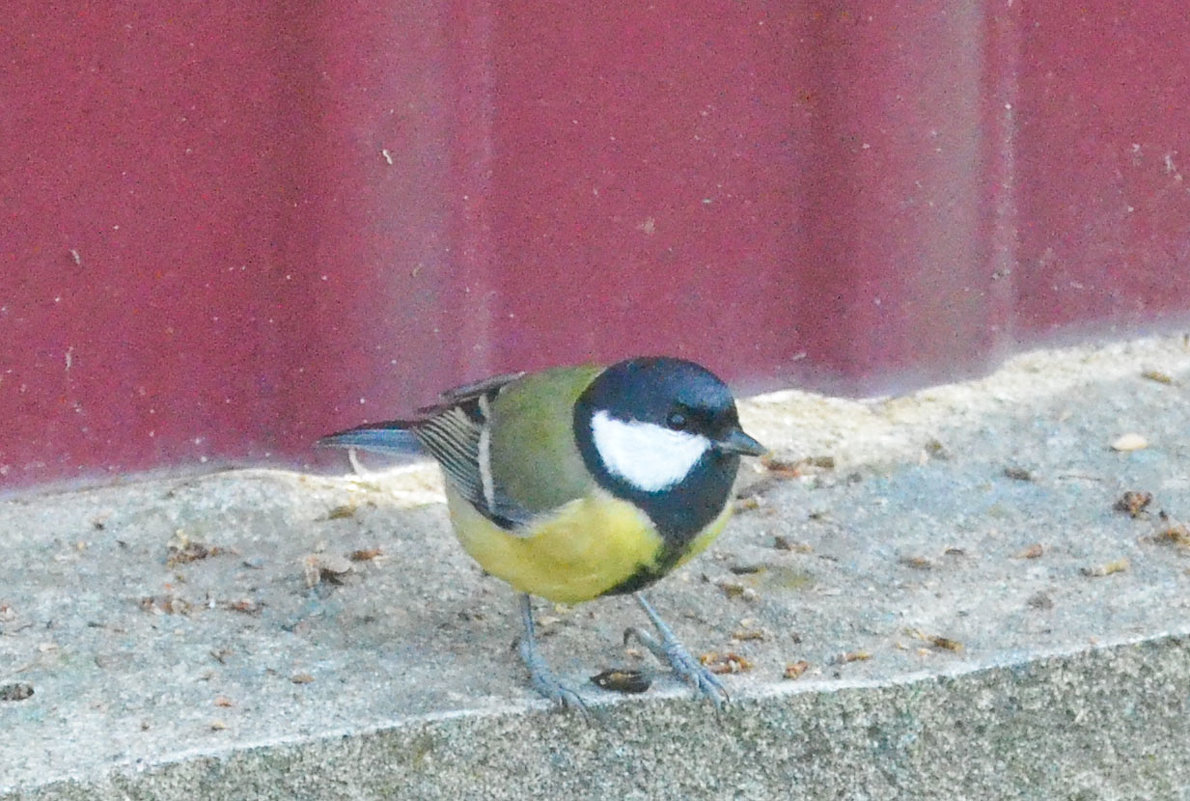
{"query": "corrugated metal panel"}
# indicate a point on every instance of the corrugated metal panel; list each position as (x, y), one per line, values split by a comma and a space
(231, 227)
(1103, 148)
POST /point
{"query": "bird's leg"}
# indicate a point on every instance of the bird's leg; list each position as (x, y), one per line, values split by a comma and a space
(540, 675)
(670, 650)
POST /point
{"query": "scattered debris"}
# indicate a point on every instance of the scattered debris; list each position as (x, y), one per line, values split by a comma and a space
(733, 589)
(782, 468)
(852, 656)
(1034, 551)
(936, 450)
(245, 605)
(339, 512)
(17, 691)
(1134, 502)
(167, 604)
(1106, 569)
(749, 632)
(1173, 533)
(320, 567)
(938, 641)
(729, 662)
(1158, 376)
(794, 670)
(1129, 442)
(785, 544)
(747, 503)
(182, 549)
(746, 570)
(623, 680)
(945, 643)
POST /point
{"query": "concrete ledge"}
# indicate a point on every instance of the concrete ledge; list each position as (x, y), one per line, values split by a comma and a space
(1101, 723)
(977, 620)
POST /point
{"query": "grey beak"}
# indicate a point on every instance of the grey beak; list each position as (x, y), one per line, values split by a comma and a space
(739, 442)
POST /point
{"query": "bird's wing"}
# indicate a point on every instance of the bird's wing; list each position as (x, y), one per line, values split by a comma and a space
(455, 432)
(468, 393)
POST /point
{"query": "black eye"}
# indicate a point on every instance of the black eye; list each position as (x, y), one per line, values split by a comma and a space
(676, 420)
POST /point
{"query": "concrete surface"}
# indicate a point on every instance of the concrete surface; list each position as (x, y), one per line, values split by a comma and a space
(977, 619)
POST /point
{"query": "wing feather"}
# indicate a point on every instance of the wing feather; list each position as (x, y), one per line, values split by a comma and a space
(450, 431)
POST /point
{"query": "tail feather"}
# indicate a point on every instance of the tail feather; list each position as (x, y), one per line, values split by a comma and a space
(391, 437)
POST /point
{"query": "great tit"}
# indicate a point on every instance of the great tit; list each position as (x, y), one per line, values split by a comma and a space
(579, 482)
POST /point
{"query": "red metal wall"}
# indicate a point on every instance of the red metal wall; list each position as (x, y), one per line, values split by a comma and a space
(230, 227)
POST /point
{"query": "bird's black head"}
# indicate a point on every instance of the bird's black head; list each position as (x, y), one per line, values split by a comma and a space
(664, 434)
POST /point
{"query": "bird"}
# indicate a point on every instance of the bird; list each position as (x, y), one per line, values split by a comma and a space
(578, 482)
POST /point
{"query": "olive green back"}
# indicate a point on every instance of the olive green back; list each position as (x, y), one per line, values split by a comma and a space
(535, 460)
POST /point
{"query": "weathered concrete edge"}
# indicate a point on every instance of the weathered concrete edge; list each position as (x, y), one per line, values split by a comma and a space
(1110, 721)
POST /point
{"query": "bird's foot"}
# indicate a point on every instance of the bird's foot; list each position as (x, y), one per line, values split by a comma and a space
(667, 648)
(541, 678)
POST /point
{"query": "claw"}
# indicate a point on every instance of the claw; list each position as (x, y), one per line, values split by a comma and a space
(545, 682)
(541, 677)
(670, 650)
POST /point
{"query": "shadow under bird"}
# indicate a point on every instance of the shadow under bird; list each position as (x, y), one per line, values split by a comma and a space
(577, 482)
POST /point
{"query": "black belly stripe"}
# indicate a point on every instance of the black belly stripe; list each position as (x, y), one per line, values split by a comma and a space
(646, 575)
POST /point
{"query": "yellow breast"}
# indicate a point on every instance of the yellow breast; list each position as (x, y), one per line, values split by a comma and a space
(578, 552)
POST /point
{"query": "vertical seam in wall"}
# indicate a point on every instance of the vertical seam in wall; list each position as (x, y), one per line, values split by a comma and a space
(471, 284)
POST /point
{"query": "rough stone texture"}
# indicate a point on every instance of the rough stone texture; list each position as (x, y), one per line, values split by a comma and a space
(978, 620)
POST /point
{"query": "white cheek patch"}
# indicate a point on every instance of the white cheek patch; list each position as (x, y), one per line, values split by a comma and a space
(647, 456)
